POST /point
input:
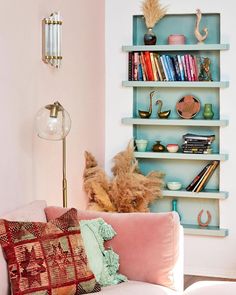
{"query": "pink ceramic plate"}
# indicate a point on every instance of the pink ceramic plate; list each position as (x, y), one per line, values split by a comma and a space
(188, 107)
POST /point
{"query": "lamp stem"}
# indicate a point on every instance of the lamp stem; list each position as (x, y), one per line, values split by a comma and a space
(64, 181)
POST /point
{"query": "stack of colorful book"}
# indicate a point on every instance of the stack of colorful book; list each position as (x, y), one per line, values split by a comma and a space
(151, 66)
(197, 144)
(200, 180)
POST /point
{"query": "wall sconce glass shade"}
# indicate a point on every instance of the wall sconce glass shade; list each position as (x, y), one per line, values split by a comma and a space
(53, 122)
(52, 40)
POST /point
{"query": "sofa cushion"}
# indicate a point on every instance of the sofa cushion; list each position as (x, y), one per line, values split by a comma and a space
(147, 243)
(137, 288)
(47, 257)
(30, 212)
(104, 263)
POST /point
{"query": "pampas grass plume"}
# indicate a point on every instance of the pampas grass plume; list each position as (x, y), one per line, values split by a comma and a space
(153, 11)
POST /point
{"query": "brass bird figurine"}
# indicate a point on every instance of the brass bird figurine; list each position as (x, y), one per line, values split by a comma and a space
(160, 114)
(147, 114)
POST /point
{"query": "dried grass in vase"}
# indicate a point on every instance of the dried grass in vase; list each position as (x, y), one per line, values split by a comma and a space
(153, 12)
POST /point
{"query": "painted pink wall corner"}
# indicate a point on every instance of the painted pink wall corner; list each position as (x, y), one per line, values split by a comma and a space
(31, 168)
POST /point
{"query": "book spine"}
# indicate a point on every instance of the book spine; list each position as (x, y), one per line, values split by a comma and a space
(193, 183)
(141, 58)
(148, 65)
(177, 69)
(136, 66)
(171, 67)
(207, 176)
(187, 67)
(164, 77)
(130, 61)
(158, 67)
(190, 58)
(181, 68)
(164, 64)
(154, 70)
(140, 72)
(195, 67)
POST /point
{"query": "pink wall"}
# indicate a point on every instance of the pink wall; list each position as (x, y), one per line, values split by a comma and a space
(31, 167)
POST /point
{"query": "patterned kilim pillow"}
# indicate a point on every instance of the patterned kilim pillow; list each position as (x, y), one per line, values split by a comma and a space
(47, 258)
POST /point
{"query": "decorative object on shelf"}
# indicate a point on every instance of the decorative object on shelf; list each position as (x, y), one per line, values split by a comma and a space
(141, 144)
(208, 113)
(172, 147)
(205, 72)
(147, 114)
(52, 40)
(174, 185)
(158, 147)
(127, 191)
(176, 39)
(174, 207)
(162, 114)
(197, 143)
(153, 12)
(199, 219)
(200, 37)
(188, 106)
(53, 123)
(200, 180)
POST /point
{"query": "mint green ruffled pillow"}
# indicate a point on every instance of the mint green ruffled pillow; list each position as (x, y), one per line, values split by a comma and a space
(104, 263)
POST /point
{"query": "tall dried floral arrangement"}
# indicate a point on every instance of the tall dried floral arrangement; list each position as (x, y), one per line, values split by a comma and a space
(153, 11)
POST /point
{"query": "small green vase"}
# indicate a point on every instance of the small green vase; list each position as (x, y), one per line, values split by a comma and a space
(208, 113)
(174, 207)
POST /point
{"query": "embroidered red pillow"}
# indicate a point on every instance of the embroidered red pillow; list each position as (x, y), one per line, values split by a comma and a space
(47, 258)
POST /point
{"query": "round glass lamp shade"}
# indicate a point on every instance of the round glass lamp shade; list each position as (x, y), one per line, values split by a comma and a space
(54, 126)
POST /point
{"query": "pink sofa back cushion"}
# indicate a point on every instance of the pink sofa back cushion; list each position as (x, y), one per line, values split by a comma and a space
(147, 243)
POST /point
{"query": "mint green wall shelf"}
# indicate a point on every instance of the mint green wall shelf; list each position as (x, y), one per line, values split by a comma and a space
(188, 47)
(177, 84)
(213, 231)
(181, 156)
(173, 122)
(180, 166)
(206, 194)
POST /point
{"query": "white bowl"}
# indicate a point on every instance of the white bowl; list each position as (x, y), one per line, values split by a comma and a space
(174, 185)
(172, 148)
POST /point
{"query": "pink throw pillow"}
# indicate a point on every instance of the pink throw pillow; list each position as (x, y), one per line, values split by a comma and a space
(147, 243)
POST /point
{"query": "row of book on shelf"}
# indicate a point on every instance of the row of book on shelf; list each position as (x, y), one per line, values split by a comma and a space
(151, 66)
(199, 182)
(197, 144)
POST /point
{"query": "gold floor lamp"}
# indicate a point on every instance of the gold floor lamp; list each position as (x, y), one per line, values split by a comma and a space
(53, 123)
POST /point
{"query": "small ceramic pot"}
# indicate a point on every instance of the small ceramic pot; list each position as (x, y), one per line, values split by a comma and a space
(176, 39)
(158, 147)
(172, 147)
(174, 185)
(149, 37)
(141, 145)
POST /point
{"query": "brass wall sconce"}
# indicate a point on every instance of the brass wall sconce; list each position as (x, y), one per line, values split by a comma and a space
(53, 123)
(52, 40)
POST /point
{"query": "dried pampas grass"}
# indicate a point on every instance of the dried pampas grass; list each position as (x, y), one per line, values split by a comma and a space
(127, 191)
(153, 11)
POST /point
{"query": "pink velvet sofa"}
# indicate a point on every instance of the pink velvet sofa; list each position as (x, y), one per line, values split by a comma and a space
(148, 246)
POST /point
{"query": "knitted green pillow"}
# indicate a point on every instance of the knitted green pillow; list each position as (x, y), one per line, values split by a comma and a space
(104, 263)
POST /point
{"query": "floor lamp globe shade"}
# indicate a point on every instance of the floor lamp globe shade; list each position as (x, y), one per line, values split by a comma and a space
(52, 128)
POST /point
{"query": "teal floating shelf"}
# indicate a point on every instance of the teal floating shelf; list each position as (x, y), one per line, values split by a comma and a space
(213, 231)
(175, 84)
(175, 122)
(186, 47)
(181, 156)
(206, 194)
